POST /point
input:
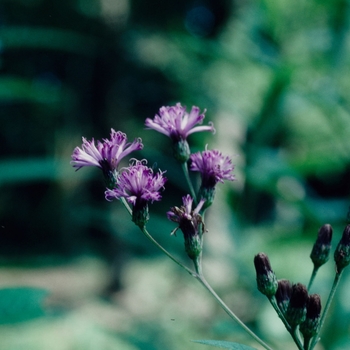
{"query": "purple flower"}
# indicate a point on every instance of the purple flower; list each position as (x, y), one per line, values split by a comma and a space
(137, 184)
(105, 155)
(189, 222)
(213, 166)
(176, 123)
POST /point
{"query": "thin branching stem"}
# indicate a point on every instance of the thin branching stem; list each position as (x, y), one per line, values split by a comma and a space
(199, 276)
(293, 331)
(189, 182)
(328, 304)
(207, 286)
(280, 314)
(312, 278)
(148, 235)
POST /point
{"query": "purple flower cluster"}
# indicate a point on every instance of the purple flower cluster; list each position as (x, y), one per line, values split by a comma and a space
(137, 183)
(176, 123)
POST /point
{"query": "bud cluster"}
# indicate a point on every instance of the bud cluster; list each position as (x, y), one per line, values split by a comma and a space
(293, 304)
(299, 310)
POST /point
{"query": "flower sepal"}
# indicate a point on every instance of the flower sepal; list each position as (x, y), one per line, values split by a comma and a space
(181, 150)
(207, 193)
(191, 224)
(140, 214)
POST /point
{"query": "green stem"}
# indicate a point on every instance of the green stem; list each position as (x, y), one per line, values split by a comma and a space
(313, 275)
(199, 276)
(293, 331)
(307, 343)
(198, 265)
(280, 314)
(296, 337)
(126, 205)
(207, 286)
(189, 182)
(325, 311)
(146, 233)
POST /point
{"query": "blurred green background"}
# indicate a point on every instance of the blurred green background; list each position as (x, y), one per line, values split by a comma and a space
(274, 77)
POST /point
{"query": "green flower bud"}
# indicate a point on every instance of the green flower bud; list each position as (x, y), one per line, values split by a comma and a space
(342, 253)
(296, 310)
(265, 277)
(321, 249)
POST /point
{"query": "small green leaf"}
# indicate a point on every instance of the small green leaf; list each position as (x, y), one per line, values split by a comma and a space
(21, 304)
(224, 344)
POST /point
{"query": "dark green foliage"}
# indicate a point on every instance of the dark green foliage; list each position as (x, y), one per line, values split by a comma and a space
(274, 78)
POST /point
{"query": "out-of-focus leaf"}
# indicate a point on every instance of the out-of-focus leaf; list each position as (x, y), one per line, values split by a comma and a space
(33, 169)
(21, 304)
(47, 38)
(16, 89)
(224, 344)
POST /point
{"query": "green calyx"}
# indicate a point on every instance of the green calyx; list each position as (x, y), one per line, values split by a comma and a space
(181, 151)
(267, 283)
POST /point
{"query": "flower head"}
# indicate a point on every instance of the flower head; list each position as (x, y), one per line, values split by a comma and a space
(189, 222)
(176, 123)
(109, 151)
(138, 185)
(105, 155)
(214, 168)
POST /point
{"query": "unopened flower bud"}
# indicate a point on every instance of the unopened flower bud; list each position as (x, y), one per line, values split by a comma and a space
(265, 277)
(313, 311)
(296, 310)
(342, 253)
(283, 294)
(321, 249)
